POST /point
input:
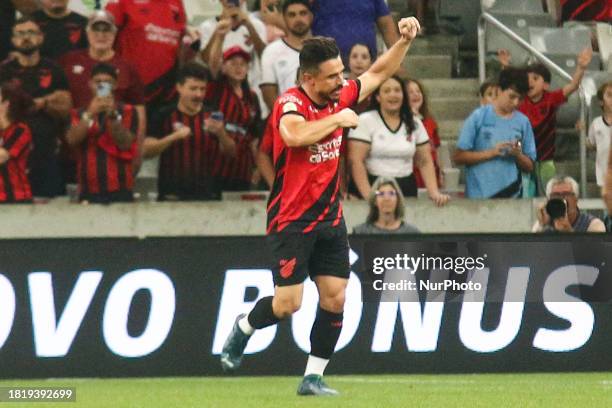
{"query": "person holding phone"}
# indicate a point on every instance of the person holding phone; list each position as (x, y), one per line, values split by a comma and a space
(560, 213)
(104, 135)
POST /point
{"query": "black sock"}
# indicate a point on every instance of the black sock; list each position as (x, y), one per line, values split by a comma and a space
(262, 314)
(325, 333)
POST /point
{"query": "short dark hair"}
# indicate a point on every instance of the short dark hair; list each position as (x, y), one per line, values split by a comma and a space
(515, 78)
(315, 51)
(25, 19)
(288, 3)
(602, 89)
(486, 85)
(193, 70)
(20, 102)
(104, 68)
(541, 70)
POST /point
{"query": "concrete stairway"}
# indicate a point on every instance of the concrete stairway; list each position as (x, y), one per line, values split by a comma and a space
(431, 59)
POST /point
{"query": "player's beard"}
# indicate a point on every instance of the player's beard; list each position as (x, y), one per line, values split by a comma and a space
(328, 96)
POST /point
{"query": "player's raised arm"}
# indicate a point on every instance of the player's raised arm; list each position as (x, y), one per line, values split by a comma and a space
(296, 131)
(388, 63)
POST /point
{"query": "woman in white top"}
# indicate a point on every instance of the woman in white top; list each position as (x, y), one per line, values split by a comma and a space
(387, 141)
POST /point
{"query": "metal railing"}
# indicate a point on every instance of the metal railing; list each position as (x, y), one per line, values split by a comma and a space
(482, 50)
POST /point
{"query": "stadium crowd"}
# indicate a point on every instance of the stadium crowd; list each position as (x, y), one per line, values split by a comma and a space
(84, 99)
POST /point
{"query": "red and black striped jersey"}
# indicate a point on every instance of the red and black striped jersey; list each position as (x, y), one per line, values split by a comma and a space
(102, 167)
(543, 118)
(14, 182)
(242, 116)
(305, 195)
(185, 167)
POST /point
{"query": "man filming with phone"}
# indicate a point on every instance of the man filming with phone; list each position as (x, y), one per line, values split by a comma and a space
(560, 213)
(104, 135)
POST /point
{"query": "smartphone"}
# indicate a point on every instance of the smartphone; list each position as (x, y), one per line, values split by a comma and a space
(103, 89)
(217, 115)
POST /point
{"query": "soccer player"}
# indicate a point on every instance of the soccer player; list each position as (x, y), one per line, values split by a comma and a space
(306, 231)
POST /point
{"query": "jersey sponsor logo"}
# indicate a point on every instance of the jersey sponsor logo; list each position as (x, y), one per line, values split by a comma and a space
(287, 267)
(290, 98)
(322, 152)
(155, 33)
(289, 107)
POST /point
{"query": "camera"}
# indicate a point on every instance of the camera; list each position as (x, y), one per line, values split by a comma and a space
(233, 3)
(556, 208)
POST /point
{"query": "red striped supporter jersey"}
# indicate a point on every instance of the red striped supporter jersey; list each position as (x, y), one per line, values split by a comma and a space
(14, 183)
(305, 195)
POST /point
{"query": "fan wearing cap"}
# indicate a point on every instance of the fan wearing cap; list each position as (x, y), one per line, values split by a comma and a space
(236, 27)
(101, 33)
(64, 29)
(230, 93)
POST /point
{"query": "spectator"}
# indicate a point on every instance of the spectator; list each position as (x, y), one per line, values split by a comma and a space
(267, 11)
(281, 59)
(7, 19)
(150, 38)
(234, 27)
(600, 133)
(64, 29)
(387, 140)
(86, 7)
(420, 9)
(496, 143)
(541, 107)
(188, 140)
(229, 92)
(105, 135)
(45, 81)
(350, 22)
(487, 92)
(573, 220)
(420, 110)
(15, 145)
(581, 10)
(387, 210)
(359, 61)
(101, 33)
(607, 190)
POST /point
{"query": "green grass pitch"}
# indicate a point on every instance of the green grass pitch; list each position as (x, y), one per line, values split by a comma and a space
(583, 390)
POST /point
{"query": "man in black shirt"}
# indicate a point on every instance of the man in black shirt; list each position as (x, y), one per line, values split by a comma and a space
(7, 19)
(64, 29)
(46, 82)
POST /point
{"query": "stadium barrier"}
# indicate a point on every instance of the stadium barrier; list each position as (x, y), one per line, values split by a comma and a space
(163, 306)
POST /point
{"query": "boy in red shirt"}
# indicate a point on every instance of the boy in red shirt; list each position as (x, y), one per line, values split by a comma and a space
(541, 106)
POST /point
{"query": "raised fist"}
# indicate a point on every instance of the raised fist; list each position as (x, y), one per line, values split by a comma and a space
(408, 28)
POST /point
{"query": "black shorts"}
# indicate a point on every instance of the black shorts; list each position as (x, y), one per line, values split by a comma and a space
(297, 255)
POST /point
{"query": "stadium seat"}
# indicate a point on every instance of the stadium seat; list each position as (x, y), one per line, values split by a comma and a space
(512, 6)
(604, 39)
(520, 24)
(568, 62)
(559, 40)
